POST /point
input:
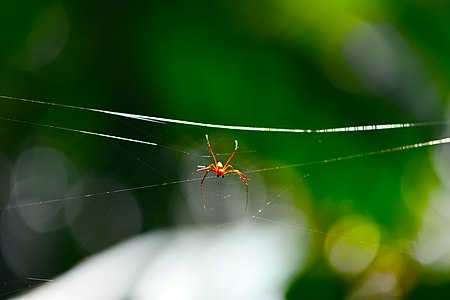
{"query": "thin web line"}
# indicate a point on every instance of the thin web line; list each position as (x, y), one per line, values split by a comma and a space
(40, 279)
(159, 120)
(91, 195)
(359, 155)
(234, 127)
(115, 137)
(331, 160)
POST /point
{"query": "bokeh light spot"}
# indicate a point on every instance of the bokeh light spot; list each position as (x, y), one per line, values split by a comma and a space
(352, 244)
(40, 174)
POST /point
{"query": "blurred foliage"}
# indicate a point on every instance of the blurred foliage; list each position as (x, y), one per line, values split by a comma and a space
(271, 63)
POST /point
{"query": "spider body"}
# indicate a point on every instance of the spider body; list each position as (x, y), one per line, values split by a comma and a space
(221, 169)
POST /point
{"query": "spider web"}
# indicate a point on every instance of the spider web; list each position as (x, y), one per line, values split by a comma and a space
(148, 185)
(353, 202)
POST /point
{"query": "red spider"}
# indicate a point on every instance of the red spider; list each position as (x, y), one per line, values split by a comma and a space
(221, 170)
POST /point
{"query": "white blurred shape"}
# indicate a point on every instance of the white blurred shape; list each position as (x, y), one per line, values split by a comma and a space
(371, 56)
(243, 261)
(378, 285)
(432, 247)
(441, 159)
(386, 65)
(38, 181)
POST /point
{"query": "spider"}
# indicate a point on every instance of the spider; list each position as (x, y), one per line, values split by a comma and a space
(221, 170)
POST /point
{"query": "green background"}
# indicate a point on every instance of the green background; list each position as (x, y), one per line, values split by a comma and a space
(280, 63)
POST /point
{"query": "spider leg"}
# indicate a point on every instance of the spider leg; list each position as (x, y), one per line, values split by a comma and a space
(208, 169)
(221, 170)
(211, 150)
(201, 189)
(232, 154)
(244, 179)
(211, 166)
